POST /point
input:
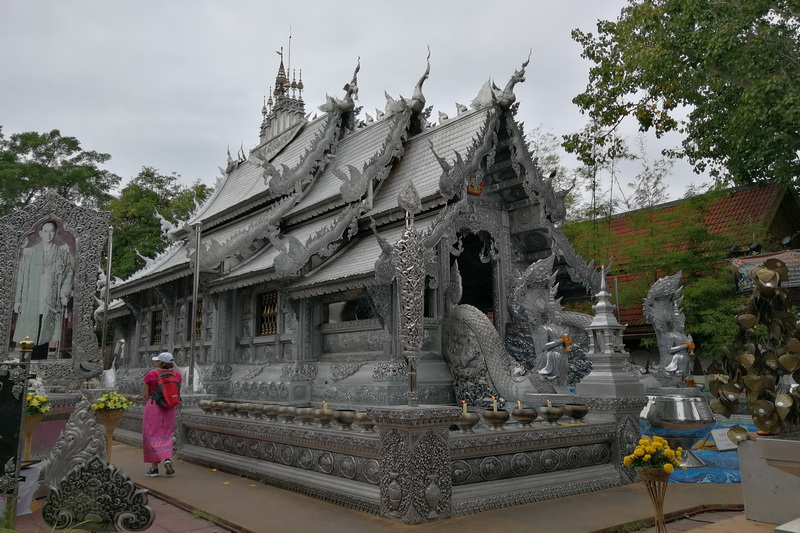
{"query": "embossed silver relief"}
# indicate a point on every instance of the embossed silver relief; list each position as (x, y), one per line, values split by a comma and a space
(98, 496)
(410, 273)
(82, 438)
(89, 228)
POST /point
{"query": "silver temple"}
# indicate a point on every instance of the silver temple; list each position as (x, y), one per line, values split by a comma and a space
(372, 265)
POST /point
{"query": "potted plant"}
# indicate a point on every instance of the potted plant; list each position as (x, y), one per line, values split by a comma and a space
(36, 405)
(109, 409)
(655, 461)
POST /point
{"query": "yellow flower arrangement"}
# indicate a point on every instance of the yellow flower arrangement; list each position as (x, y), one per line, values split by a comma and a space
(654, 453)
(36, 404)
(111, 401)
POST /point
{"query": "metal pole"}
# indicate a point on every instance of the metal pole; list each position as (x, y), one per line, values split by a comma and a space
(616, 296)
(195, 290)
(107, 361)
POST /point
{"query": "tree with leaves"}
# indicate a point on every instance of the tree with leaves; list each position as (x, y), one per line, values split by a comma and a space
(32, 163)
(137, 229)
(724, 73)
(650, 243)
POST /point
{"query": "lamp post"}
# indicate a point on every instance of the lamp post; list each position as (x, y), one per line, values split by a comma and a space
(106, 360)
(195, 290)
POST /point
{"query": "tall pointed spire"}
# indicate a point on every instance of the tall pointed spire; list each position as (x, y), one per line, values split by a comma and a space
(606, 352)
(285, 107)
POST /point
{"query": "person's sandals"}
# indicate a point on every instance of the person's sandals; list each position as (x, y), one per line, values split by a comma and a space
(168, 466)
(153, 472)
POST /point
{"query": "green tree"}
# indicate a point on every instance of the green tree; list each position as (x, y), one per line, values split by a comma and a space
(31, 163)
(649, 185)
(724, 73)
(656, 242)
(137, 229)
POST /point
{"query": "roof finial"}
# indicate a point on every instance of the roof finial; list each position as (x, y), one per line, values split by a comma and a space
(507, 97)
(351, 89)
(418, 99)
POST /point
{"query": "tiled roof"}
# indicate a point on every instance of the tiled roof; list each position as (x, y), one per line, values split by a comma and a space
(730, 212)
(355, 149)
(356, 260)
(420, 166)
(245, 182)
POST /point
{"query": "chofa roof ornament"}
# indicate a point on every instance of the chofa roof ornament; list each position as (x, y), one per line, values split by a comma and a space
(491, 94)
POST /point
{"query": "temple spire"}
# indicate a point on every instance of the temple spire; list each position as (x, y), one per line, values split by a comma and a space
(284, 107)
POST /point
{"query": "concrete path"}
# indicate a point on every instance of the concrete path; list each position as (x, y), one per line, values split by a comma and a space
(243, 505)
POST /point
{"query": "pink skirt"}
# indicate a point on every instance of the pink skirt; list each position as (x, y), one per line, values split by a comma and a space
(158, 429)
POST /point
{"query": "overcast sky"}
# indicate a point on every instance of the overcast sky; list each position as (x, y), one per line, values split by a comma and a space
(171, 84)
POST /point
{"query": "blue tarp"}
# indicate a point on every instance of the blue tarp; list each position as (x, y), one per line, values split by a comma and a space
(722, 467)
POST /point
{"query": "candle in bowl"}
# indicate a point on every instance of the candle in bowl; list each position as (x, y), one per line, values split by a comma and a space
(494, 403)
(464, 406)
(519, 404)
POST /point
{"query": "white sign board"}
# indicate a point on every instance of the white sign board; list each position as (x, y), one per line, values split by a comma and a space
(721, 440)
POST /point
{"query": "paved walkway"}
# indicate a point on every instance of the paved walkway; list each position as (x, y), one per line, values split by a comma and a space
(237, 504)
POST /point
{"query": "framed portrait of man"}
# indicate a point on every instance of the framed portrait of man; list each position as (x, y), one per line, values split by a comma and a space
(44, 290)
(50, 253)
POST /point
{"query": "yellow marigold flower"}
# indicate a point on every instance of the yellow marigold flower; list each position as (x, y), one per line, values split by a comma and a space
(638, 452)
(646, 457)
(627, 460)
(644, 442)
(650, 449)
(669, 454)
(100, 405)
(659, 439)
(668, 468)
(680, 449)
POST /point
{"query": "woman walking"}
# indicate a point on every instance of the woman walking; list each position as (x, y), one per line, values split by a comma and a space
(160, 391)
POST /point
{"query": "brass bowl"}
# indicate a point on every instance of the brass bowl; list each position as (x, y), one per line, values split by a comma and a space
(467, 421)
(304, 416)
(286, 414)
(496, 419)
(524, 415)
(242, 409)
(365, 422)
(345, 417)
(256, 410)
(270, 412)
(576, 411)
(552, 413)
(324, 417)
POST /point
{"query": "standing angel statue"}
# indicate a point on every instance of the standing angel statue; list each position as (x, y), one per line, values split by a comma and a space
(534, 303)
(662, 309)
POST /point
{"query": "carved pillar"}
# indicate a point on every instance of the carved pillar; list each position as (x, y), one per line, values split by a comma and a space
(416, 479)
(224, 323)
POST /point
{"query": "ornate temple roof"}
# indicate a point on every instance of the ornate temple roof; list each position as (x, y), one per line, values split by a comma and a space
(310, 189)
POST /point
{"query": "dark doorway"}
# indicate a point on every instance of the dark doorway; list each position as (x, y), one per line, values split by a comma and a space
(477, 272)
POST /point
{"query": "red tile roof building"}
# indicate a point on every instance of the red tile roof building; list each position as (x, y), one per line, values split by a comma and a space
(742, 216)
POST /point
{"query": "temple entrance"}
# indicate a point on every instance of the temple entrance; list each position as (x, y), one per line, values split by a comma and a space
(477, 272)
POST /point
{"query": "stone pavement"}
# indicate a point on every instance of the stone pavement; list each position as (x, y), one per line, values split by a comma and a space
(237, 504)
